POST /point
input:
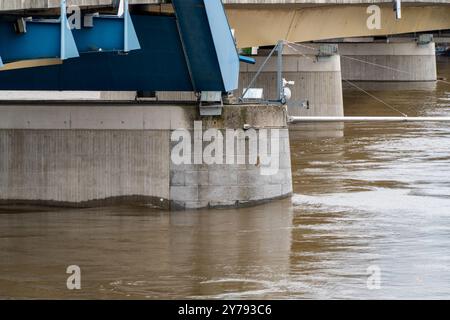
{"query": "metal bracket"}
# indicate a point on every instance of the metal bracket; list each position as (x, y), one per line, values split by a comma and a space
(281, 98)
(211, 103)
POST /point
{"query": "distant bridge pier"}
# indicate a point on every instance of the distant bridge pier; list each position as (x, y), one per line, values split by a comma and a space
(395, 61)
(317, 75)
(96, 154)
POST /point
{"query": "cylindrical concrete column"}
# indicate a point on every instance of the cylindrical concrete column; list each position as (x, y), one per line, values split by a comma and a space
(317, 80)
(407, 61)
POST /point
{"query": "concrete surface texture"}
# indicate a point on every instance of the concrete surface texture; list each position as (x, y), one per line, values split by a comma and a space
(112, 154)
(388, 61)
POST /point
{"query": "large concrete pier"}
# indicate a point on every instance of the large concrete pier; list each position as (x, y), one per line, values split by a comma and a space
(317, 81)
(95, 154)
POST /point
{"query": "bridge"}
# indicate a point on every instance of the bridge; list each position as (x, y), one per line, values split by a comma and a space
(183, 58)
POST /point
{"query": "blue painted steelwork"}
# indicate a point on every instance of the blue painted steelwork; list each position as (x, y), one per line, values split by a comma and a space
(247, 59)
(192, 53)
(208, 44)
(109, 34)
(158, 66)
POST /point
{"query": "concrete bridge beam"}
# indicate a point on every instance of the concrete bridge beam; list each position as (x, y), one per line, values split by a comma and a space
(408, 61)
(265, 25)
(92, 155)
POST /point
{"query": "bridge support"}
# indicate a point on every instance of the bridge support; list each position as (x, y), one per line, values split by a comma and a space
(96, 154)
(407, 61)
(318, 87)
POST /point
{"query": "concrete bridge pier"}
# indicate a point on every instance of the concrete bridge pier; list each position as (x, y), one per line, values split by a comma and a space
(317, 81)
(95, 154)
(402, 61)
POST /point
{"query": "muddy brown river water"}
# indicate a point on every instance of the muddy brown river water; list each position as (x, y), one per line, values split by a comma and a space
(367, 196)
